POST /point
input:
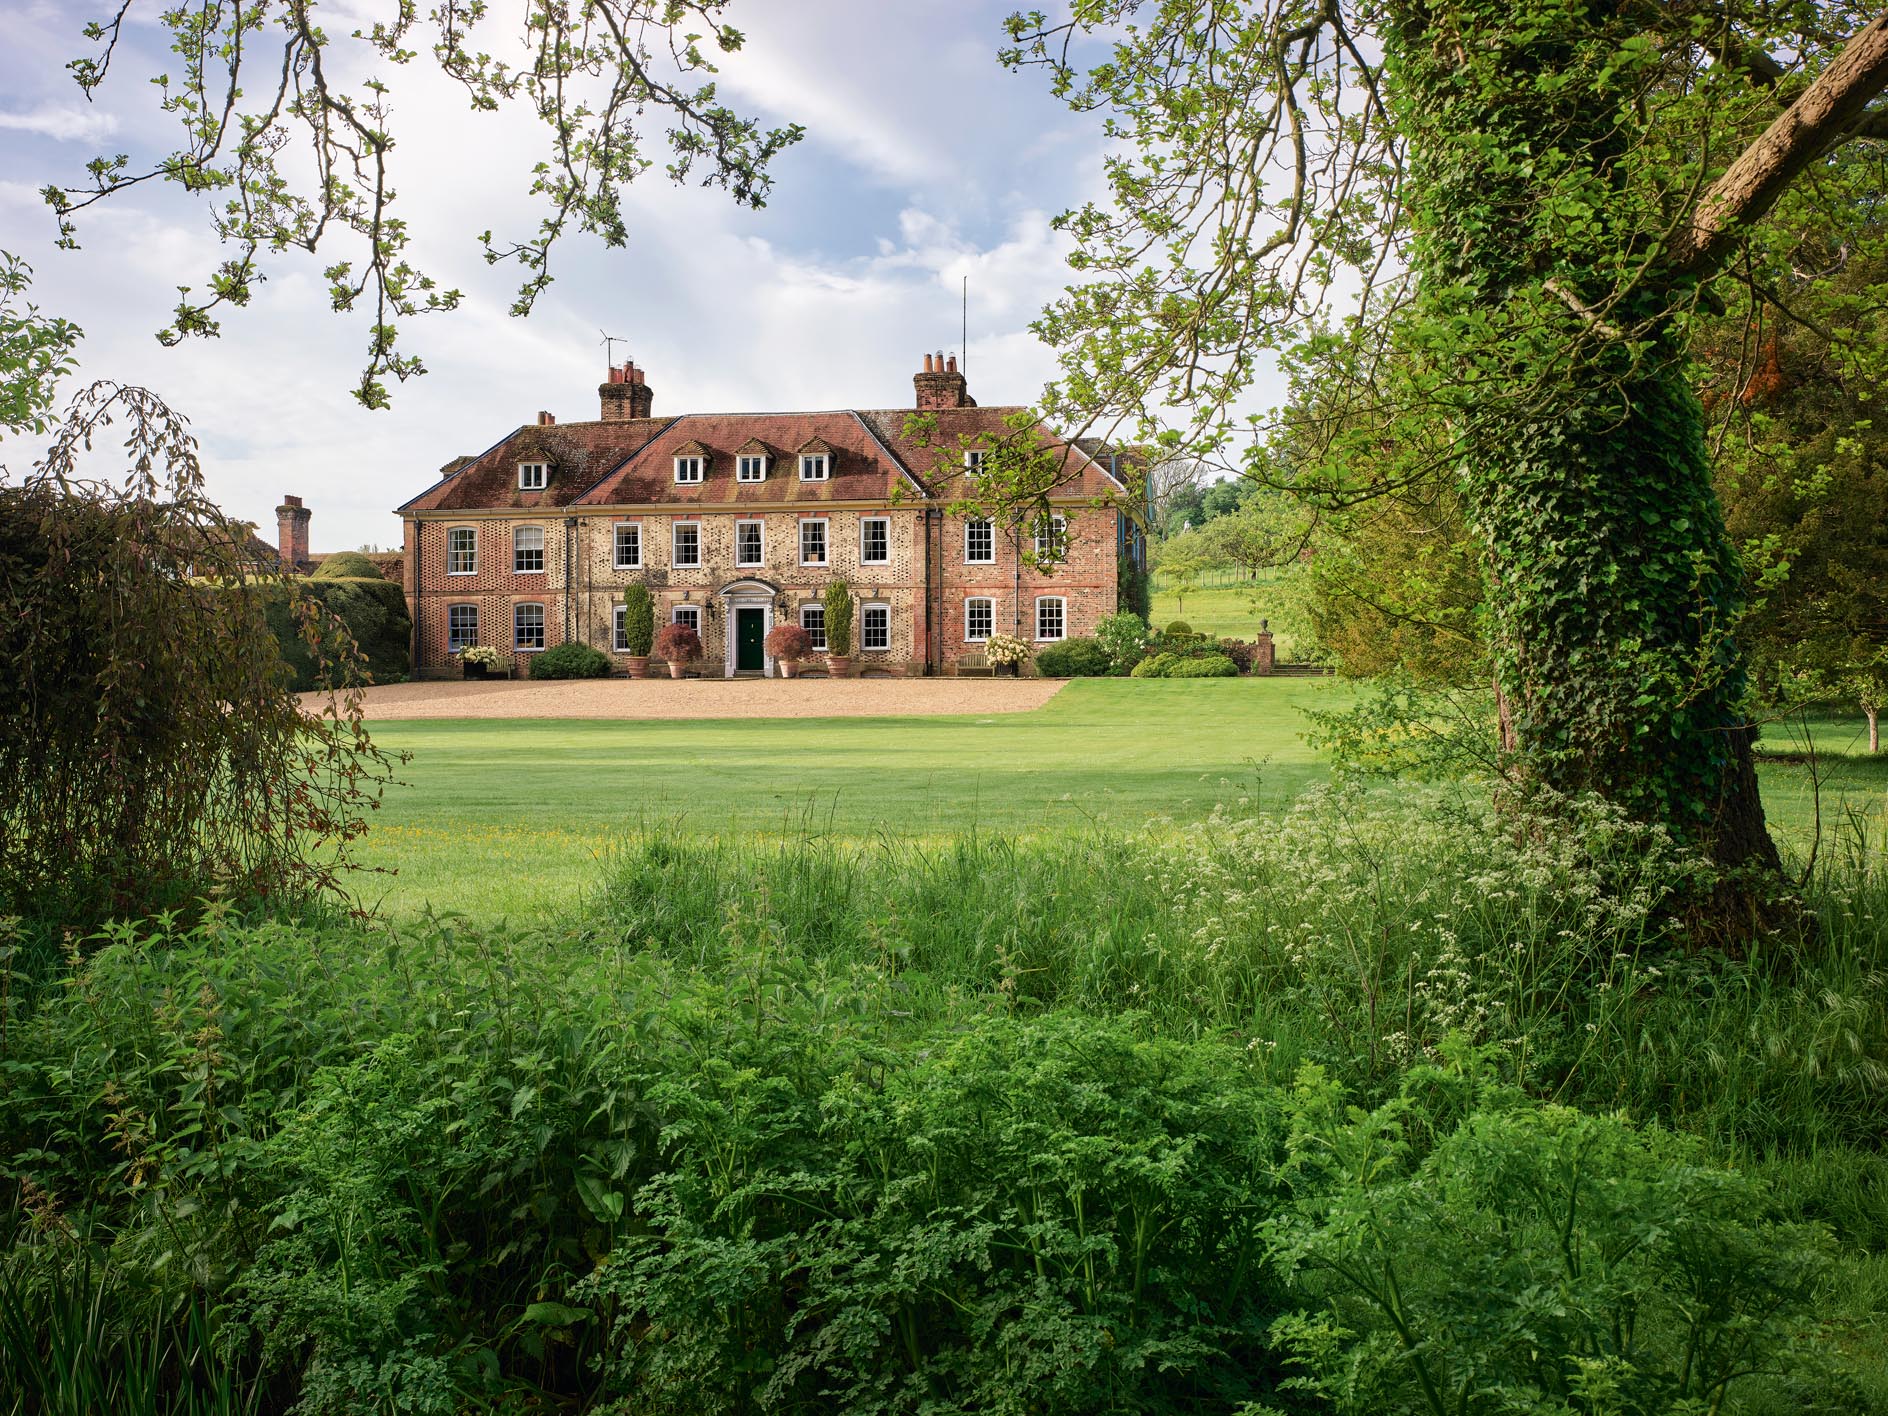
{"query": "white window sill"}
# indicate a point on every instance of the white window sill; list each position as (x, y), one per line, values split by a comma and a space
(462, 572)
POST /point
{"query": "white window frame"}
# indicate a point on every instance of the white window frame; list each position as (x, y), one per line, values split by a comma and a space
(825, 541)
(1062, 618)
(973, 461)
(533, 476)
(750, 467)
(970, 638)
(690, 469)
(619, 632)
(634, 528)
(1059, 540)
(517, 627)
(760, 558)
(453, 643)
(518, 550)
(675, 545)
(884, 521)
(866, 646)
(816, 633)
(689, 615)
(453, 551)
(988, 526)
(815, 466)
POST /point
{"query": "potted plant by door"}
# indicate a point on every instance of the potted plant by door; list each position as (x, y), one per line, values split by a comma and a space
(678, 646)
(838, 601)
(639, 628)
(478, 661)
(787, 644)
(1006, 652)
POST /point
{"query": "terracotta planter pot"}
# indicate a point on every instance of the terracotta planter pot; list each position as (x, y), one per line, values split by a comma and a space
(677, 669)
(788, 668)
(638, 665)
(837, 666)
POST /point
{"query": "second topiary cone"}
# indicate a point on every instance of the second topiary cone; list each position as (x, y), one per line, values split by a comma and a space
(838, 601)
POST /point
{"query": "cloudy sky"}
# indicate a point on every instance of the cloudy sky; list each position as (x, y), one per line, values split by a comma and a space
(924, 162)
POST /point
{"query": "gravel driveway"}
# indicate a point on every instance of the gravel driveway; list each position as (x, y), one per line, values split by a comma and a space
(704, 698)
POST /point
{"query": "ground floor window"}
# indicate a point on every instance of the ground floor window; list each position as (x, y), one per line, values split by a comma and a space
(1051, 615)
(813, 621)
(462, 627)
(979, 620)
(528, 621)
(619, 630)
(689, 615)
(875, 627)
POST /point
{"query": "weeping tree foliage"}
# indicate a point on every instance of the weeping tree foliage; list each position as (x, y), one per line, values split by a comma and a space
(291, 158)
(1496, 218)
(152, 749)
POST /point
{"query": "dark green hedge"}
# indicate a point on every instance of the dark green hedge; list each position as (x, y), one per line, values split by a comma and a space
(374, 612)
(570, 661)
(1075, 658)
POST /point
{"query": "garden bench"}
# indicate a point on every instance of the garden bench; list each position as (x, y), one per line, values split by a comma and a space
(975, 665)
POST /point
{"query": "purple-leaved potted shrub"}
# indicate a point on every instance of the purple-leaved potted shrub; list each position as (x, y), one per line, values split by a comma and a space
(678, 646)
(787, 645)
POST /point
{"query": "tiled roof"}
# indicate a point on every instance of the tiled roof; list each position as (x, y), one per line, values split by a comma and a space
(862, 468)
(937, 458)
(579, 454)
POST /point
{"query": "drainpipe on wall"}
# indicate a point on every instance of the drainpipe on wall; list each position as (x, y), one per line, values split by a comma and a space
(933, 593)
(418, 639)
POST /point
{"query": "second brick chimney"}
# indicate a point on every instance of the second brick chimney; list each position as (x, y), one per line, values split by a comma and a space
(625, 395)
(939, 385)
(291, 533)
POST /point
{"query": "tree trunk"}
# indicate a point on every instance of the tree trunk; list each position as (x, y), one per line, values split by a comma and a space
(1874, 727)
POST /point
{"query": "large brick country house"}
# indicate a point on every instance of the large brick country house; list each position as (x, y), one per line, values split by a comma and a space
(737, 521)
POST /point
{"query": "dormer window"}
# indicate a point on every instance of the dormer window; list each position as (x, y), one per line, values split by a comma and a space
(973, 461)
(814, 466)
(751, 467)
(689, 469)
(533, 476)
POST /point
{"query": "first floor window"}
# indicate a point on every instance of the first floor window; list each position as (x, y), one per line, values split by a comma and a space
(689, 615)
(529, 622)
(875, 628)
(527, 550)
(462, 627)
(813, 621)
(979, 543)
(618, 630)
(979, 620)
(628, 547)
(748, 543)
(462, 551)
(812, 543)
(687, 545)
(1052, 540)
(875, 541)
(1050, 617)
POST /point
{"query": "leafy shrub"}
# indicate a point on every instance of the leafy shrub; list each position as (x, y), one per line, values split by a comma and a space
(1005, 649)
(1075, 658)
(639, 620)
(1203, 666)
(1124, 635)
(347, 565)
(373, 612)
(838, 601)
(678, 644)
(570, 661)
(1156, 666)
(1178, 629)
(790, 643)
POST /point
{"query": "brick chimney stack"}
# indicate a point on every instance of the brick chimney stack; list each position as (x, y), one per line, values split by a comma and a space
(291, 533)
(625, 395)
(939, 385)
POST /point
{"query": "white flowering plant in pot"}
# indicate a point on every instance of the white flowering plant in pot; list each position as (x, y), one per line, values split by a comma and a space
(477, 658)
(1005, 650)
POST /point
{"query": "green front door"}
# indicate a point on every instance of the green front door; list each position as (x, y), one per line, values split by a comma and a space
(750, 628)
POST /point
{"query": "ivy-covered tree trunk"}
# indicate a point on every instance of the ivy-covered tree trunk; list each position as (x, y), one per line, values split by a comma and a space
(1558, 354)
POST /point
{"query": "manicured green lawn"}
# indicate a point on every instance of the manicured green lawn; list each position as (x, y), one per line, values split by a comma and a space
(1231, 612)
(511, 817)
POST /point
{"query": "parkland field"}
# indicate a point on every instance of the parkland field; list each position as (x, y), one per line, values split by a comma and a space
(514, 817)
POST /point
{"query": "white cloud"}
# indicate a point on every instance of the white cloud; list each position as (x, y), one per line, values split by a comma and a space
(62, 122)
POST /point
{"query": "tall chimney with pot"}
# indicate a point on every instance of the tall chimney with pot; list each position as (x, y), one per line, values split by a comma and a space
(624, 395)
(940, 385)
(291, 533)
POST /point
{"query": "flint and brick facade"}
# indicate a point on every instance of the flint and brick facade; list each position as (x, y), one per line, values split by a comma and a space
(738, 522)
